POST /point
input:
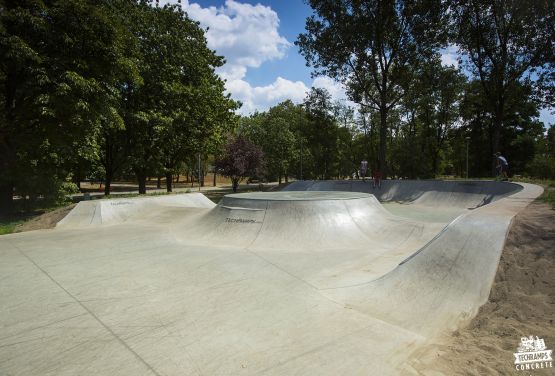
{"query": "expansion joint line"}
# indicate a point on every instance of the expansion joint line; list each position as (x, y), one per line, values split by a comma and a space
(104, 325)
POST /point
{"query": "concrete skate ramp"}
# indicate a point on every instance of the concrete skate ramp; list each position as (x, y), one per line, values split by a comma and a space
(355, 238)
(98, 212)
(457, 194)
(315, 283)
(441, 285)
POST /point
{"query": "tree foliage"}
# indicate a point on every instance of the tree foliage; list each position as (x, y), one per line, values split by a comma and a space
(240, 160)
(107, 89)
(102, 87)
(505, 42)
(371, 46)
(60, 64)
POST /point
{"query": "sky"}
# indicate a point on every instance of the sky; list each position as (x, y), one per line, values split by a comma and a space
(263, 65)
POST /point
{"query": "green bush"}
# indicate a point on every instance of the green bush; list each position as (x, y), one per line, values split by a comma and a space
(542, 167)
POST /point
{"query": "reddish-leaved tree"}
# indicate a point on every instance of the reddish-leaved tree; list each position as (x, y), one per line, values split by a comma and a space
(241, 159)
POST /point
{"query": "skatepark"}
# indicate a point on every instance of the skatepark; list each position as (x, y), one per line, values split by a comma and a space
(324, 277)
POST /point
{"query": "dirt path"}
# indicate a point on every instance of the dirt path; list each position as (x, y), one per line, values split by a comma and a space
(521, 303)
(46, 220)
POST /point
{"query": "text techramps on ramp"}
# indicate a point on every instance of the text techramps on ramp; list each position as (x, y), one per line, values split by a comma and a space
(325, 278)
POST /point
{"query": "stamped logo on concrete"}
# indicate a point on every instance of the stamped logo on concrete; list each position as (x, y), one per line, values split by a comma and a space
(532, 354)
(239, 220)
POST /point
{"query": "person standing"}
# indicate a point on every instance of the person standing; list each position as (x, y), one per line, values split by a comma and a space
(376, 178)
(363, 169)
(502, 167)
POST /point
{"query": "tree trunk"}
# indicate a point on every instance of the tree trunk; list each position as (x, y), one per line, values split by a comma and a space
(169, 181)
(382, 166)
(141, 178)
(235, 184)
(6, 198)
(177, 179)
(435, 163)
(214, 181)
(76, 178)
(159, 182)
(8, 156)
(108, 183)
(496, 137)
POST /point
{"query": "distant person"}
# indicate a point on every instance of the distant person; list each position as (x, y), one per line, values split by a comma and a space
(501, 166)
(376, 178)
(363, 169)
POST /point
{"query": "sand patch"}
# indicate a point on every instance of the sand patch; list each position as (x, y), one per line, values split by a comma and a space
(521, 303)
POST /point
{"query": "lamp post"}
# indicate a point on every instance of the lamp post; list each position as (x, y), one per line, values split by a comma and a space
(199, 176)
(301, 137)
(467, 141)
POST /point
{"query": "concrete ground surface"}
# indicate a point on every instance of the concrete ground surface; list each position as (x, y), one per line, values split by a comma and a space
(322, 279)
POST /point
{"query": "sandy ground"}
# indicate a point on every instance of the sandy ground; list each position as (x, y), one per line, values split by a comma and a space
(521, 303)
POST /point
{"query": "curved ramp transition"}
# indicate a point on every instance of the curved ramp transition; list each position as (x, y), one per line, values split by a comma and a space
(295, 282)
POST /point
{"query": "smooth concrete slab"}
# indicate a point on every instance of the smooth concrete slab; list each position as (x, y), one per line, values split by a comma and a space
(278, 283)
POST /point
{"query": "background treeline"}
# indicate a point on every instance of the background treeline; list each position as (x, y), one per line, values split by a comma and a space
(427, 134)
(111, 89)
(103, 89)
(415, 117)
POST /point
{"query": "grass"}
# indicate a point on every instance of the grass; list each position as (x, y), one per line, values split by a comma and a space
(549, 197)
(548, 185)
(8, 225)
(23, 212)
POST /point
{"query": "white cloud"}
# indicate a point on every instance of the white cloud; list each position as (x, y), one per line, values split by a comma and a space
(336, 89)
(247, 35)
(450, 56)
(263, 97)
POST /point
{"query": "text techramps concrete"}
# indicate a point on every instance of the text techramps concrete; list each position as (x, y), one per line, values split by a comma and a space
(326, 278)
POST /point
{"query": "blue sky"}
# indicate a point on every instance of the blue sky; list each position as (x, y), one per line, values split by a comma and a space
(257, 39)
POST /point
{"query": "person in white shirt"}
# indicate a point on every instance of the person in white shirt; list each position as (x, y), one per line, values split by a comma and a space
(502, 167)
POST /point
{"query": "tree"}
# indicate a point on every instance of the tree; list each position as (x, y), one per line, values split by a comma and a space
(274, 132)
(504, 41)
(429, 112)
(60, 63)
(348, 153)
(180, 107)
(370, 46)
(543, 164)
(519, 136)
(241, 159)
(321, 132)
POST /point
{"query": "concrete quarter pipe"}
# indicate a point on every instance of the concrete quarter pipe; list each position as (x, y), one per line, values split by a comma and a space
(326, 278)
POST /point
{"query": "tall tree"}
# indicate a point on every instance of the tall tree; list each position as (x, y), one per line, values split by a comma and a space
(180, 106)
(60, 62)
(370, 46)
(504, 41)
(274, 132)
(321, 132)
(431, 110)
